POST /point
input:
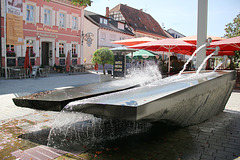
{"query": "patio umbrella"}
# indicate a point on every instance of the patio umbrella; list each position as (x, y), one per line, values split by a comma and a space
(68, 62)
(134, 41)
(27, 63)
(122, 49)
(193, 39)
(230, 44)
(141, 54)
(169, 45)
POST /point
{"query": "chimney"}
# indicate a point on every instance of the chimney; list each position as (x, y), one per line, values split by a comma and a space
(107, 11)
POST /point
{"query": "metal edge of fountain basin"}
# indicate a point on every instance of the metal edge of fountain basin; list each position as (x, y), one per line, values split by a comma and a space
(58, 105)
(190, 106)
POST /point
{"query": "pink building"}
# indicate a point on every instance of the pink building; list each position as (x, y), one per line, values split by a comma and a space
(50, 30)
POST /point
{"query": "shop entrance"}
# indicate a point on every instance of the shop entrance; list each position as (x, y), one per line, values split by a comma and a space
(45, 53)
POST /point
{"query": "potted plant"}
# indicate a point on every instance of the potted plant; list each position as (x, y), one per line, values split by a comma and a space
(74, 55)
(61, 55)
(11, 54)
(103, 56)
(32, 54)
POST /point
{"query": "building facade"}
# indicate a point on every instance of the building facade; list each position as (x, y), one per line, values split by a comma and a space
(50, 31)
(100, 31)
(140, 23)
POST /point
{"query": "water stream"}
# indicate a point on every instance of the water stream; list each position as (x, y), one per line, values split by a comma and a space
(79, 131)
(194, 53)
(204, 61)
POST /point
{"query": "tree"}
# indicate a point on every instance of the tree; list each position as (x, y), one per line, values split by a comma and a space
(233, 30)
(79, 2)
(103, 56)
(82, 2)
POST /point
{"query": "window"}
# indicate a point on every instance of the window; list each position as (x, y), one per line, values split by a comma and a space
(112, 37)
(10, 51)
(61, 50)
(103, 21)
(62, 20)
(29, 13)
(103, 37)
(47, 17)
(74, 50)
(74, 22)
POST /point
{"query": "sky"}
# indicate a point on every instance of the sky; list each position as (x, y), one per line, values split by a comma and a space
(180, 15)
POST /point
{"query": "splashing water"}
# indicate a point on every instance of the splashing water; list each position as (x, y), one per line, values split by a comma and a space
(217, 66)
(144, 75)
(204, 61)
(79, 131)
(194, 53)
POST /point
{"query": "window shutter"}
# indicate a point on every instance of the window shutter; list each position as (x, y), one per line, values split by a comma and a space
(24, 12)
(78, 50)
(53, 18)
(36, 47)
(57, 22)
(42, 15)
(57, 49)
(79, 23)
(17, 49)
(67, 21)
(70, 23)
(37, 14)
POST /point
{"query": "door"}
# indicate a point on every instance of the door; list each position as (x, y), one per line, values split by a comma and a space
(45, 53)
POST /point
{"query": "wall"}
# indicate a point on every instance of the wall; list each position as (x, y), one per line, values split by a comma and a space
(91, 32)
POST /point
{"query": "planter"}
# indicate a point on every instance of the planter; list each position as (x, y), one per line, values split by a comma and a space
(105, 78)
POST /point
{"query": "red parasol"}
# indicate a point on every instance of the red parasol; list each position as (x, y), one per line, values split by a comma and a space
(230, 44)
(68, 62)
(134, 41)
(27, 63)
(193, 39)
(169, 45)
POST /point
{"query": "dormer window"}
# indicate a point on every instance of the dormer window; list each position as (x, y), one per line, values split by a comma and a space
(103, 21)
(153, 29)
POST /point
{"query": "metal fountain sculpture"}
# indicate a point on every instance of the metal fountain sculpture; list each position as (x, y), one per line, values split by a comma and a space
(184, 99)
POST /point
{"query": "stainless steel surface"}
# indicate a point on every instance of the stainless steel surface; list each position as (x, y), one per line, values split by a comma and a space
(181, 101)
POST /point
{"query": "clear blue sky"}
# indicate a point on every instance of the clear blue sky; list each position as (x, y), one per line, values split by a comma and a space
(180, 15)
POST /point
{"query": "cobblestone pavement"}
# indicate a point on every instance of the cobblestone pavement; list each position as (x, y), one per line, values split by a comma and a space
(217, 138)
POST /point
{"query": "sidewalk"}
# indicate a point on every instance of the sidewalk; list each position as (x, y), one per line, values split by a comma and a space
(217, 138)
(20, 87)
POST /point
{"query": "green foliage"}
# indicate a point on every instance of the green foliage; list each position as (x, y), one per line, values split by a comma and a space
(103, 56)
(233, 30)
(82, 2)
(79, 2)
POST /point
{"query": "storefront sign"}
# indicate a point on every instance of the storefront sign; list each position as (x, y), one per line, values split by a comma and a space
(47, 29)
(89, 38)
(14, 30)
(47, 35)
(118, 67)
(15, 7)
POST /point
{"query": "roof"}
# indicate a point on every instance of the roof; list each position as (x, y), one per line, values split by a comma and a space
(170, 29)
(139, 20)
(112, 25)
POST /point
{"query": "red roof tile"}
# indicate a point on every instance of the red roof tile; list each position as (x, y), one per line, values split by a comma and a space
(139, 20)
